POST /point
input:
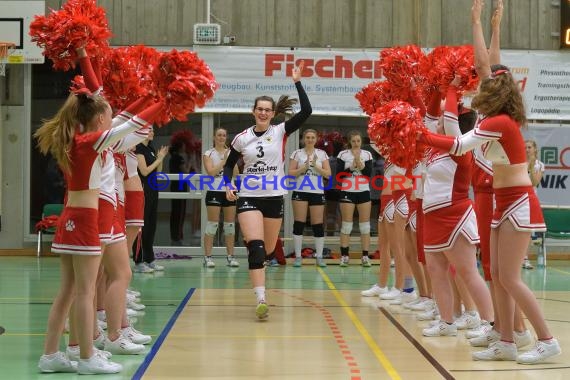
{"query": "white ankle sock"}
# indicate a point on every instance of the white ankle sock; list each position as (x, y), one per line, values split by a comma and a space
(298, 242)
(259, 293)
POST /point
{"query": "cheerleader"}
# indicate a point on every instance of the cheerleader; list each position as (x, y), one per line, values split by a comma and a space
(260, 202)
(310, 166)
(452, 232)
(517, 210)
(415, 257)
(121, 337)
(76, 136)
(482, 183)
(385, 222)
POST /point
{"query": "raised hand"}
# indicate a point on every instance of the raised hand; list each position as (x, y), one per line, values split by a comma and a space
(476, 10)
(297, 71)
(456, 82)
(413, 85)
(497, 15)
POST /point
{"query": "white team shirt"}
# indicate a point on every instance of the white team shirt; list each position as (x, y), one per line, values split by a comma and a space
(310, 181)
(217, 157)
(264, 161)
(348, 158)
(538, 167)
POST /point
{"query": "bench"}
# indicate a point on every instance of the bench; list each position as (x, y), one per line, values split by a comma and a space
(557, 219)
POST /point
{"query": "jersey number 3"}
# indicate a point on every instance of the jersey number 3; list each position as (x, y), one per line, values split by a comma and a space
(261, 152)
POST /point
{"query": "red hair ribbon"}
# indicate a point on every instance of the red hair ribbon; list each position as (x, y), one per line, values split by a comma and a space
(82, 91)
(498, 72)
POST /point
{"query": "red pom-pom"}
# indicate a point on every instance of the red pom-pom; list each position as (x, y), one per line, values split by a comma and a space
(327, 141)
(186, 138)
(394, 128)
(400, 65)
(376, 94)
(122, 80)
(80, 23)
(185, 82)
(441, 65)
(145, 60)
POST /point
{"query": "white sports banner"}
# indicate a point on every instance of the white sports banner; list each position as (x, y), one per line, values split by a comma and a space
(544, 79)
(554, 151)
(333, 77)
(330, 78)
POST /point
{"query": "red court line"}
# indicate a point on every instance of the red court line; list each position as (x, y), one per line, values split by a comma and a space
(335, 330)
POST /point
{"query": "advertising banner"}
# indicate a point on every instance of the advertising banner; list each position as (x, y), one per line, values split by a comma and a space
(333, 77)
(544, 79)
(554, 151)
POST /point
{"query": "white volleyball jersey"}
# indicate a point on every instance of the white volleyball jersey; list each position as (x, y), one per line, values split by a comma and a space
(310, 181)
(264, 160)
(217, 157)
(348, 158)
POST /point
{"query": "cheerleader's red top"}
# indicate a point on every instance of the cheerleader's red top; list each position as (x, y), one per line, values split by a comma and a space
(86, 148)
(499, 137)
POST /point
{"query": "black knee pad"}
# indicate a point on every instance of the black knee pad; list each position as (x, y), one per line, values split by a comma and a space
(318, 230)
(298, 228)
(256, 254)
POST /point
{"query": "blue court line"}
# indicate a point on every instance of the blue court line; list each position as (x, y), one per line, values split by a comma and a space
(156, 346)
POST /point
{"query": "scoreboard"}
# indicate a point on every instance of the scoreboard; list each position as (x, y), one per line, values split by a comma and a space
(565, 24)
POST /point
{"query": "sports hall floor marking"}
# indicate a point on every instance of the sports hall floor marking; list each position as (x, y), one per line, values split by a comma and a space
(339, 338)
(559, 270)
(156, 346)
(361, 329)
(444, 373)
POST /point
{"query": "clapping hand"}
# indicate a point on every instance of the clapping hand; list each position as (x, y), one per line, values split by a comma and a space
(162, 152)
(307, 163)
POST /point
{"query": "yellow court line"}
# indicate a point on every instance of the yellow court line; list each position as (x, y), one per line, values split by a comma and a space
(209, 336)
(361, 329)
(24, 334)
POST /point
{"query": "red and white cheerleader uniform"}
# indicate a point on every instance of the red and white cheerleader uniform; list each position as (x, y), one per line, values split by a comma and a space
(387, 208)
(482, 182)
(134, 200)
(502, 143)
(78, 227)
(447, 207)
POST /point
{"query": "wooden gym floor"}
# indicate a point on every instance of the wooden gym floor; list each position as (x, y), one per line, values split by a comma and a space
(204, 327)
